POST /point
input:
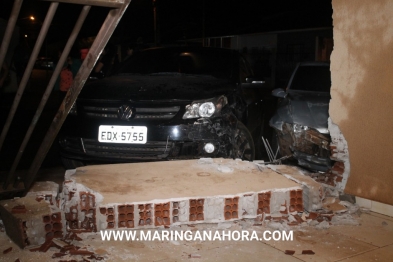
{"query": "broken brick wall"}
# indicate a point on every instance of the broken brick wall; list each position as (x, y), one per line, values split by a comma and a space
(362, 93)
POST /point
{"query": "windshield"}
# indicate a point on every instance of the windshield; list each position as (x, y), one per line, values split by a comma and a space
(312, 78)
(214, 62)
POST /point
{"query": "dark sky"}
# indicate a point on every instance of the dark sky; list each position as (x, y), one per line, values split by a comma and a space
(179, 19)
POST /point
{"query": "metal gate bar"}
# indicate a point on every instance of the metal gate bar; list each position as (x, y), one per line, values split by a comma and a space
(48, 91)
(8, 32)
(100, 42)
(29, 68)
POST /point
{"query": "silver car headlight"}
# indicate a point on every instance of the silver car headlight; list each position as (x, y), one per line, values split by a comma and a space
(205, 108)
(299, 128)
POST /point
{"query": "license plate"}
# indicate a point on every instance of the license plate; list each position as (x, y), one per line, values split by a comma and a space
(123, 134)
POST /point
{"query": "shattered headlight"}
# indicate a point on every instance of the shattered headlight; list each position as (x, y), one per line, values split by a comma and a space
(299, 128)
(205, 108)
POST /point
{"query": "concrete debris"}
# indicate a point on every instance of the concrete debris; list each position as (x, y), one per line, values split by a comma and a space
(224, 169)
(323, 225)
(346, 197)
(344, 219)
(352, 208)
(278, 226)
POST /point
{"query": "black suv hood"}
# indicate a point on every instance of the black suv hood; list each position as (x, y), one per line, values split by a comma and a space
(157, 87)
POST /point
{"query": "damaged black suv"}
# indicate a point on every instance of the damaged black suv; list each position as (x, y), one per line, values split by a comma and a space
(165, 103)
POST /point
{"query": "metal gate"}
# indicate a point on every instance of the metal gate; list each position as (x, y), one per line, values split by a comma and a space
(13, 185)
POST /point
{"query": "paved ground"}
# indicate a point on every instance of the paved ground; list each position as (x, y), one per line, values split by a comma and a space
(372, 240)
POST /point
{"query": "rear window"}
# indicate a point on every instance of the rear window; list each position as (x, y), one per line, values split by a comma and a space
(202, 62)
(312, 78)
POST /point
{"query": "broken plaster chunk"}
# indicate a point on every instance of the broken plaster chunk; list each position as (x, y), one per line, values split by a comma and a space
(225, 169)
(207, 160)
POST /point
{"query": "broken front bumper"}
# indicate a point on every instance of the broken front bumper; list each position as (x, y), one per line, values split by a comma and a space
(307, 145)
(183, 141)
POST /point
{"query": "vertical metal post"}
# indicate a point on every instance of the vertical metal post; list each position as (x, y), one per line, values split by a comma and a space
(8, 32)
(155, 21)
(100, 42)
(29, 68)
(48, 91)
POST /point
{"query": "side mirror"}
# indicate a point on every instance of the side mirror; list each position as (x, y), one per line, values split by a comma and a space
(279, 92)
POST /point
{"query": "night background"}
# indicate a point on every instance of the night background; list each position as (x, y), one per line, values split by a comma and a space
(178, 20)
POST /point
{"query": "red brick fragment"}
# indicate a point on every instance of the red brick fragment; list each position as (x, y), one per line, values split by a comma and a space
(312, 215)
(17, 260)
(47, 244)
(39, 198)
(8, 250)
(94, 256)
(308, 252)
(55, 255)
(289, 252)
(19, 209)
(83, 252)
(67, 248)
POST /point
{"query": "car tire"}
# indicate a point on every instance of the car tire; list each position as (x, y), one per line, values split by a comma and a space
(243, 144)
(71, 163)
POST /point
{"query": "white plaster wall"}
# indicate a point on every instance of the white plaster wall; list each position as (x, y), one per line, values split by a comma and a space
(362, 93)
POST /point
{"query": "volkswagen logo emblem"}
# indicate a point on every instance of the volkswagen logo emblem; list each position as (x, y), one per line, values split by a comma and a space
(124, 112)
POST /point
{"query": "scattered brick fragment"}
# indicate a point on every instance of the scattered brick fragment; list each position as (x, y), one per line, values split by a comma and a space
(94, 256)
(39, 198)
(56, 255)
(83, 252)
(67, 248)
(289, 252)
(308, 252)
(19, 209)
(17, 260)
(312, 215)
(46, 245)
(8, 250)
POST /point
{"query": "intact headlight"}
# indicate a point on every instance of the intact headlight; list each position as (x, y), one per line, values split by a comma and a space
(206, 108)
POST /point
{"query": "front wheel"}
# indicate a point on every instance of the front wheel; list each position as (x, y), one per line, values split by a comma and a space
(242, 143)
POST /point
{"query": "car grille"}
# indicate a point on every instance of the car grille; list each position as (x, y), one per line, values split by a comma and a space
(140, 112)
(90, 147)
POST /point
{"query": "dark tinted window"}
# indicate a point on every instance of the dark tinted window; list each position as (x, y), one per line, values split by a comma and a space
(215, 62)
(312, 78)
